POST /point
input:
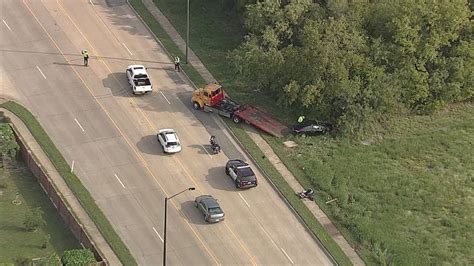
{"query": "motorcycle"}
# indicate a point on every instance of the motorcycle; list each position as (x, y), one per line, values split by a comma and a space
(306, 194)
(215, 147)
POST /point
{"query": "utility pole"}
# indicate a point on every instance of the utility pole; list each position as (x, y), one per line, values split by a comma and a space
(165, 222)
(187, 33)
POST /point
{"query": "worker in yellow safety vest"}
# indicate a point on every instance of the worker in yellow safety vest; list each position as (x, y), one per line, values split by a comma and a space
(301, 119)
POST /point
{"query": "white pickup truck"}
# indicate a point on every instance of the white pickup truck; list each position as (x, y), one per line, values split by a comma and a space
(138, 79)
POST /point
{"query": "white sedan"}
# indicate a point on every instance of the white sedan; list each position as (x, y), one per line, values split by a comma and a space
(169, 140)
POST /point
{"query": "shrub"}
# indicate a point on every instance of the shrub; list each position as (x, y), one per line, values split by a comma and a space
(78, 257)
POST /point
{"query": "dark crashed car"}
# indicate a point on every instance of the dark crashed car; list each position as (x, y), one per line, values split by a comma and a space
(241, 174)
(312, 128)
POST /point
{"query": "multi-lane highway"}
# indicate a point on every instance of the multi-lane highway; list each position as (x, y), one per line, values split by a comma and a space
(109, 136)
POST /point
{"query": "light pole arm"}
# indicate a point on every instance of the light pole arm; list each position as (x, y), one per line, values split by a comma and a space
(174, 195)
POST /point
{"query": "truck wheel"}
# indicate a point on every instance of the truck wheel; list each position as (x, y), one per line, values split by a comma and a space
(236, 119)
(196, 106)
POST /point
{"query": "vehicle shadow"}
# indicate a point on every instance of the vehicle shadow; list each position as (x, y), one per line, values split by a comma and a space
(217, 178)
(117, 84)
(149, 145)
(195, 216)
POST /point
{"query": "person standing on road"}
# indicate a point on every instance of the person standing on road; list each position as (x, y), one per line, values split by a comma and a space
(177, 67)
(85, 56)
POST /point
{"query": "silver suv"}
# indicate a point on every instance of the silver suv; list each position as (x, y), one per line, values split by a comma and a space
(209, 206)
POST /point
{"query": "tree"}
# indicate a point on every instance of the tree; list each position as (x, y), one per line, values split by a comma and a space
(8, 145)
(430, 49)
(316, 64)
(356, 63)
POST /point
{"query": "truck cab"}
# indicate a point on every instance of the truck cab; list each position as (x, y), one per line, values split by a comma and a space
(210, 95)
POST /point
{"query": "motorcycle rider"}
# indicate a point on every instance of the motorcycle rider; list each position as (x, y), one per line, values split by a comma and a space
(215, 147)
(212, 140)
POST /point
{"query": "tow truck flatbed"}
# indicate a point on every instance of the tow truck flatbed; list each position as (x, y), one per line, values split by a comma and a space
(212, 99)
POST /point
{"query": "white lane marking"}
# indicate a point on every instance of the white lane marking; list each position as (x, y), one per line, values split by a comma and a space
(124, 45)
(158, 234)
(120, 181)
(208, 154)
(165, 97)
(90, 1)
(37, 67)
(242, 197)
(288, 257)
(79, 125)
(4, 22)
(72, 166)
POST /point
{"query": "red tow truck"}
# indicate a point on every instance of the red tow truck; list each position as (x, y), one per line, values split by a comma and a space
(212, 98)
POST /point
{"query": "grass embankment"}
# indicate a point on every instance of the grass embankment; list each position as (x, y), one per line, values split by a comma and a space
(412, 191)
(19, 186)
(73, 182)
(215, 56)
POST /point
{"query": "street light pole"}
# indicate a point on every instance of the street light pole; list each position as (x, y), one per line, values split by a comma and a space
(165, 222)
(187, 33)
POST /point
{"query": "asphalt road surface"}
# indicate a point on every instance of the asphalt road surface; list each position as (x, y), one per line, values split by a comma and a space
(108, 136)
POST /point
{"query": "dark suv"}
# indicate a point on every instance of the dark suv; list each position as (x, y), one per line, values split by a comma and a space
(241, 173)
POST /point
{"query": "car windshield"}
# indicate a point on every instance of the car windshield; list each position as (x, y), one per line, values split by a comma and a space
(217, 91)
(246, 173)
(140, 76)
(172, 143)
(142, 82)
(215, 210)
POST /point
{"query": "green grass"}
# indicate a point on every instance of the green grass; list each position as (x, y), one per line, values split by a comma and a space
(73, 182)
(15, 240)
(210, 38)
(413, 187)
